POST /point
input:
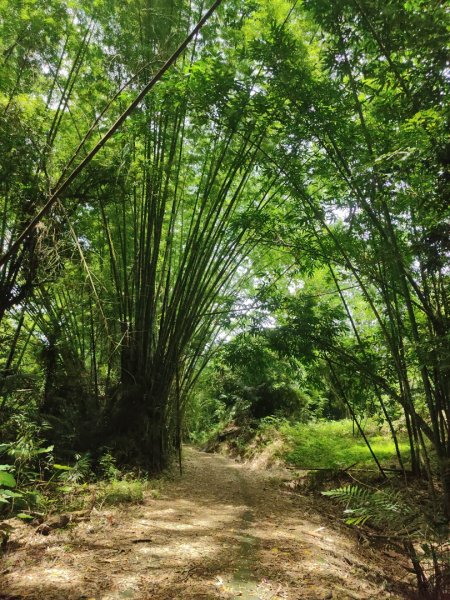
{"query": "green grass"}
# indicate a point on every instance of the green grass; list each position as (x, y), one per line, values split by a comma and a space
(331, 444)
(122, 492)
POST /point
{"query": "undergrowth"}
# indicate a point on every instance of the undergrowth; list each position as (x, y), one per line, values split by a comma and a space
(409, 518)
(33, 484)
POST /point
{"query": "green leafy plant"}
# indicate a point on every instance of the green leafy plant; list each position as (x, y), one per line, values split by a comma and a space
(7, 481)
(378, 506)
(419, 527)
(108, 466)
(28, 452)
(79, 472)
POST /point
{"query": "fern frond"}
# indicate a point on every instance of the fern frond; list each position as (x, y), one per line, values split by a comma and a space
(378, 506)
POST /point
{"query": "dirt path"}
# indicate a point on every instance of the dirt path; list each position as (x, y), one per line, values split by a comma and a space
(220, 531)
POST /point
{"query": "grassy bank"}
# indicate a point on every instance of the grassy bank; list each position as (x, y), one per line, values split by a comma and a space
(313, 445)
(334, 444)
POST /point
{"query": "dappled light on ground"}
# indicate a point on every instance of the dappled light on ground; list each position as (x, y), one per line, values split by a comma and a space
(220, 531)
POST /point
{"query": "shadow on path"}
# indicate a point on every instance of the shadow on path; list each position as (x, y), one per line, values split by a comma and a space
(220, 531)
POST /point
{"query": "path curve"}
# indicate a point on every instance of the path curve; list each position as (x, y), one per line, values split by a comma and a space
(221, 530)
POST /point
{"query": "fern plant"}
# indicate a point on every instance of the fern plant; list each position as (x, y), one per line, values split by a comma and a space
(422, 531)
(381, 507)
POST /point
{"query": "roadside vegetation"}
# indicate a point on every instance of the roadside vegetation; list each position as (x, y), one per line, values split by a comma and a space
(33, 486)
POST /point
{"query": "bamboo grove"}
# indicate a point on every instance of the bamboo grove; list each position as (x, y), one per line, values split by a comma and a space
(286, 137)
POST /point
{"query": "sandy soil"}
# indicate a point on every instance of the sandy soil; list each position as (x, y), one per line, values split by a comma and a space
(221, 530)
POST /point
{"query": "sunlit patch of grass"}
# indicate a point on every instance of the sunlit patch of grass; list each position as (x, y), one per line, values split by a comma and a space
(332, 444)
(122, 492)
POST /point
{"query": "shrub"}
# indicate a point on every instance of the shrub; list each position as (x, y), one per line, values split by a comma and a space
(108, 467)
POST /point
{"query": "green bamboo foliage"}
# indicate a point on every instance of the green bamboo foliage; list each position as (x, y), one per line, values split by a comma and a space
(141, 278)
(173, 250)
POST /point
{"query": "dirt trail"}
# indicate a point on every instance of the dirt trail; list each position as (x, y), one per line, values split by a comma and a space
(220, 531)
